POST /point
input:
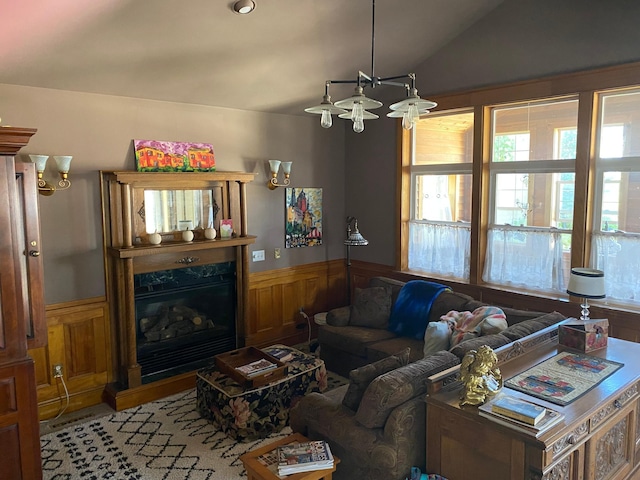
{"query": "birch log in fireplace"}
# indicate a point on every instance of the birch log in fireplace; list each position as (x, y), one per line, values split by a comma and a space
(177, 303)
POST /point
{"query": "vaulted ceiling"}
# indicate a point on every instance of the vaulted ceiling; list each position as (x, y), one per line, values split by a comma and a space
(275, 59)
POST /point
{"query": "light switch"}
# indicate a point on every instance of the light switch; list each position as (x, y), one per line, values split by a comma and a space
(258, 256)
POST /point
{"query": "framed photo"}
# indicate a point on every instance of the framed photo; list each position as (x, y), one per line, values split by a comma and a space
(303, 207)
(158, 156)
(226, 228)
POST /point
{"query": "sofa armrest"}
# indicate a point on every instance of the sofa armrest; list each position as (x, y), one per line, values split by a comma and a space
(339, 317)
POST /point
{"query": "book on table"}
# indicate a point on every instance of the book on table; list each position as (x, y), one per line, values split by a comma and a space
(549, 419)
(518, 409)
(281, 354)
(257, 367)
(304, 457)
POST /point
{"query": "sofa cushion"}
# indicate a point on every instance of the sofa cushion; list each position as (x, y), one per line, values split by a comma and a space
(437, 337)
(360, 378)
(527, 327)
(371, 307)
(378, 350)
(391, 389)
(410, 312)
(353, 339)
(394, 285)
(494, 341)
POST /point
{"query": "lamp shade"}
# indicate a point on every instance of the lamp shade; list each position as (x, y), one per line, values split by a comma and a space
(586, 283)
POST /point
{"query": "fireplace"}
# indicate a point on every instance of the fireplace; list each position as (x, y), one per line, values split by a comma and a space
(184, 317)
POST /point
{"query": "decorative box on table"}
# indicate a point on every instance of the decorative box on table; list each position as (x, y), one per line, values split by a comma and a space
(584, 335)
(247, 414)
(228, 362)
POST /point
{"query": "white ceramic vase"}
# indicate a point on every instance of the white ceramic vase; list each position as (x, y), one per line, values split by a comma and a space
(187, 236)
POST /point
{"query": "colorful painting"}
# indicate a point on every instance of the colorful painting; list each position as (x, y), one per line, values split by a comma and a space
(304, 217)
(157, 156)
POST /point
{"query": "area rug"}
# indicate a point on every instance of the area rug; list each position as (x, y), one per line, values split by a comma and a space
(161, 440)
(564, 377)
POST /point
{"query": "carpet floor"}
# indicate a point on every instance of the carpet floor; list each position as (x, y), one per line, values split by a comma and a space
(161, 440)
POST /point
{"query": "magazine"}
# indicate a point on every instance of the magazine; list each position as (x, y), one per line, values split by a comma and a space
(256, 368)
(304, 457)
(281, 354)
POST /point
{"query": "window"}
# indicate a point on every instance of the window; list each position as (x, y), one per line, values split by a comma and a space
(532, 185)
(441, 166)
(615, 246)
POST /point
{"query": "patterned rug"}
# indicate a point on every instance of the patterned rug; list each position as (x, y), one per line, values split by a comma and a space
(166, 439)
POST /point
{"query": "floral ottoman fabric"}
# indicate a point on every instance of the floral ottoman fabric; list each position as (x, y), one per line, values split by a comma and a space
(251, 414)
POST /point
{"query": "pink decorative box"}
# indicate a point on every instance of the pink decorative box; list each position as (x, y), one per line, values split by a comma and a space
(585, 336)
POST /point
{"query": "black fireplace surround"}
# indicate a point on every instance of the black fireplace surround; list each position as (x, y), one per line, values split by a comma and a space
(184, 317)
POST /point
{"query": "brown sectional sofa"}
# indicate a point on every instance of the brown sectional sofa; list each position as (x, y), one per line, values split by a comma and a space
(376, 425)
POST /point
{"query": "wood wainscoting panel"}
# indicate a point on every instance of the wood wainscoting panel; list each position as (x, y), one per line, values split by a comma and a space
(80, 341)
(276, 297)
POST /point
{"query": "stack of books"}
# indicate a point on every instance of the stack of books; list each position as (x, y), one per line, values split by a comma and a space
(304, 457)
(519, 414)
(256, 368)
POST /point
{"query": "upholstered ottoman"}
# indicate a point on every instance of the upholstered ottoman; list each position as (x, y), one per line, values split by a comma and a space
(250, 414)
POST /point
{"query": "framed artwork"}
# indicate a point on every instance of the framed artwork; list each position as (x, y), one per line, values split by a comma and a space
(158, 156)
(303, 208)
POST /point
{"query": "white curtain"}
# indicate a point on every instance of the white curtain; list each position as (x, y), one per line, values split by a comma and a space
(440, 248)
(618, 256)
(525, 258)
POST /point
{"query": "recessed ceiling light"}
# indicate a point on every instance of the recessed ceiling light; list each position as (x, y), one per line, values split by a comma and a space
(244, 6)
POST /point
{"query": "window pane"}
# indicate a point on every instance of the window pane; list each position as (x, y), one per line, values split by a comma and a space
(443, 198)
(620, 205)
(534, 200)
(444, 139)
(541, 131)
(619, 126)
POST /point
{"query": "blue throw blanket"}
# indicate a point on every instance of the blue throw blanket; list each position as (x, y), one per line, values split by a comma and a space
(410, 313)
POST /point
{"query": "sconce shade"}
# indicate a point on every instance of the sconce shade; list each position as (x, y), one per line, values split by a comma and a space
(586, 283)
(40, 161)
(274, 165)
(286, 168)
(63, 162)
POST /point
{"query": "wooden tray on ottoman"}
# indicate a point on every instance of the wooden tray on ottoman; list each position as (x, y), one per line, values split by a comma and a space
(228, 361)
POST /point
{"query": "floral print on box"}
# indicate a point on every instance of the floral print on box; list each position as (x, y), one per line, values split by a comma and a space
(247, 415)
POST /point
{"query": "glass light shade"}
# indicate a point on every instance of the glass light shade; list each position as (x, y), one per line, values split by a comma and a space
(358, 98)
(365, 115)
(325, 106)
(274, 165)
(40, 161)
(586, 283)
(286, 167)
(413, 99)
(400, 113)
(63, 162)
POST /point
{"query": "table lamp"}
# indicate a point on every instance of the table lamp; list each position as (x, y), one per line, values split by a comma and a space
(586, 283)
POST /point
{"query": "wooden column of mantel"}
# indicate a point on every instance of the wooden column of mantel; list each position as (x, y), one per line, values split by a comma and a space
(126, 255)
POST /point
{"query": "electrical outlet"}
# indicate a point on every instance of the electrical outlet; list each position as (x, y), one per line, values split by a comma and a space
(276, 253)
(57, 371)
(258, 256)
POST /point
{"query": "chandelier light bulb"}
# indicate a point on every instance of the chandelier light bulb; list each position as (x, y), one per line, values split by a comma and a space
(357, 114)
(407, 121)
(326, 121)
(358, 126)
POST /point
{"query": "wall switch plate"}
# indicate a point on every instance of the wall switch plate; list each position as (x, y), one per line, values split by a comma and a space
(276, 253)
(258, 256)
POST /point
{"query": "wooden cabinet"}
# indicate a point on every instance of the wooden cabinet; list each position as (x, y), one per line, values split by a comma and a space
(598, 439)
(137, 205)
(21, 311)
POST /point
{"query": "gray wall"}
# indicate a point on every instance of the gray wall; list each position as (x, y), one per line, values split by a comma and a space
(98, 131)
(520, 39)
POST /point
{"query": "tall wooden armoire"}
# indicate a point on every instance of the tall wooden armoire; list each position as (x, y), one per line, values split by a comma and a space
(21, 310)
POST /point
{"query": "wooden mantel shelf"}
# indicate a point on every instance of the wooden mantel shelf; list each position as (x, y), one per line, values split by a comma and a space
(177, 247)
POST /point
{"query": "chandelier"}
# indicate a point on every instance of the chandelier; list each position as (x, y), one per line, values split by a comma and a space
(356, 108)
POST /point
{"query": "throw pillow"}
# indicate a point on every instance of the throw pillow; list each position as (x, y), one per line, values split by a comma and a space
(436, 337)
(410, 312)
(371, 307)
(360, 378)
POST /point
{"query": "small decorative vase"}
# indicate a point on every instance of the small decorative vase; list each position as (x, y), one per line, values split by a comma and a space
(187, 236)
(210, 233)
(155, 238)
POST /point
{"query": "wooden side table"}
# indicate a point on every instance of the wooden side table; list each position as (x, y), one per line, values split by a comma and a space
(257, 470)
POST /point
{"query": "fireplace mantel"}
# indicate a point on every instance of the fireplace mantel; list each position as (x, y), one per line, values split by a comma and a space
(129, 251)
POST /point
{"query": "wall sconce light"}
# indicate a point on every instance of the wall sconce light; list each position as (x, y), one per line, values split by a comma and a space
(274, 166)
(63, 162)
